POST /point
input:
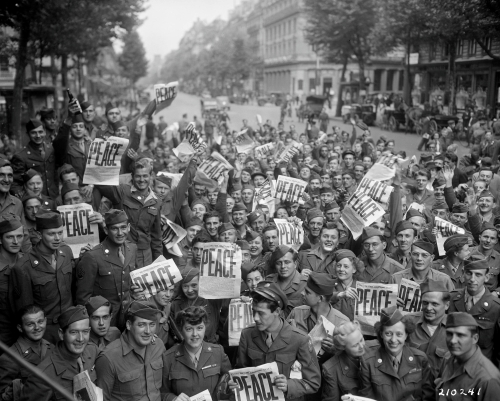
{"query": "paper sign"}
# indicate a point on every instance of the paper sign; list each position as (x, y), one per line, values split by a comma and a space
(259, 119)
(220, 272)
(156, 277)
(376, 190)
(373, 297)
(289, 189)
(409, 292)
(184, 151)
(240, 317)
(359, 212)
(289, 233)
(78, 231)
(380, 172)
(104, 161)
(171, 236)
(165, 95)
(286, 154)
(264, 150)
(323, 329)
(194, 138)
(214, 166)
(84, 389)
(447, 229)
(203, 396)
(243, 143)
(416, 206)
(257, 383)
(175, 177)
(262, 194)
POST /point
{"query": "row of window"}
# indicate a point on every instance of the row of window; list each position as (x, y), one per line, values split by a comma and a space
(463, 48)
(273, 6)
(284, 48)
(389, 82)
(279, 30)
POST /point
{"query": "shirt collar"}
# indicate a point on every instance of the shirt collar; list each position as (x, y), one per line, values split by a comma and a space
(275, 333)
(475, 298)
(151, 194)
(195, 356)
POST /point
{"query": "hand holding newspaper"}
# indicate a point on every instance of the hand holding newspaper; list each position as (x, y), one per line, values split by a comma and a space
(257, 380)
(203, 396)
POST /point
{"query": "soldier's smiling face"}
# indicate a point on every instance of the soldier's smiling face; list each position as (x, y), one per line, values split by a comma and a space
(37, 135)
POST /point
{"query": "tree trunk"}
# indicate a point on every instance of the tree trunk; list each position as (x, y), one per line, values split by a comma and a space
(407, 73)
(21, 62)
(64, 80)
(452, 76)
(53, 74)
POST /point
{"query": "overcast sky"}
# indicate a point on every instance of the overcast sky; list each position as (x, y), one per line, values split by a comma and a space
(166, 21)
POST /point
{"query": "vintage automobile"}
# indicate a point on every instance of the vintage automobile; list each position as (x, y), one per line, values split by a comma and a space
(223, 102)
(314, 105)
(208, 106)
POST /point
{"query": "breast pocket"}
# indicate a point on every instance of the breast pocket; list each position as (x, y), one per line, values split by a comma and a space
(257, 357)
(157, 367)
(285, 362)
(130, 383)
(106, 279)
(45, 287)
(486, 332)
(382, 382)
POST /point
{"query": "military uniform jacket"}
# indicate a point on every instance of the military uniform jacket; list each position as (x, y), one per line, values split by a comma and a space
(100, 272)
(67, 151)
(8, 331)
(294, 290)
(431, 275)
(306, 321)
(346, 306)
(290, 345)
(380, 381)
(476, 379)
(494, 264)
(124, 375)
(144, 218)
(381, 275)
(444, 266)
(487, 314)
(10, 370)
(340, 377)
(34, 281)
(101, 342)
(310, 259)
(61, 368)
(181, 376)
(29, 157)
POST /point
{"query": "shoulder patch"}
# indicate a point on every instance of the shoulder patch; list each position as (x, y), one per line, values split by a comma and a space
(80, 271)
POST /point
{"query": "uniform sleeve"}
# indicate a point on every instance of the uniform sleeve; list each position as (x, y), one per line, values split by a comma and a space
(19, 167)
(243, 359)
(86, 273)
(179, 193)
(311, 374)
(166, 390)
(428, 386)
(20, 285)
(8, 372)
(36, 390)
(60, 145)
(365, 381)
(156, 244)
(489, 390)
(105, 376)
(329, 386)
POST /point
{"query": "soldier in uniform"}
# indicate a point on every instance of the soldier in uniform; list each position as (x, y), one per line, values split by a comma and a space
(457, 251)
(88, 112)
(30, 346)
(345, 296)
(143, 210)
(467, 374)
(31, 205)
(11, 239)
(9, 204)
(105, 270)
(291, 282)
(44, 276)
(131, 368)
(193, 365)
(39, 156)
(273, 339)
(488, 238)
(477, 300)
(71, 356)
(393, 371)
(320, 258)
(405, 236)
(100, 311)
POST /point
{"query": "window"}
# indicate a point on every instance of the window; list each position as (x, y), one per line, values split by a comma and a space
(312, 84)
(401, 80)
(432, 51)
(300, 84)
(460, 48)
(377, 80)
(487, 44)
(472, 47)
(390, 79)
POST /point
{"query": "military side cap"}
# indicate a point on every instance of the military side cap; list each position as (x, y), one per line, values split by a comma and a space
(77, 118)
(349, 173)
(403, 225)
(272, 292)
(143, 309)
(247, 186)
(344, 253)
(258, 173)
(457, 319)
(279, 252)
(485, 194)
(439, 182)
(252, 217)
(225, 227)
(239, 207)
(432, 286)
(426, 246)
(487, 226)
(244, 245)
(165, 180)
(9, 223)
(194, 221)
(95, 303)
(313, 191)
(390, 316)
(85, 105)
(313, 213)
(248, 170)
(71, 315)
(199, 201)
(30, 195)
(251, 235)
(321, 283)
(455, 242)
(202, 236)
(110, 106)
(269, 227)
(315, 176)
(326, 190)
(28, 175)
(440, 205)
(68, 187)
(369, 232)
(115, 216)
(33, 124)
(47, 220)
(348, 152)
(460, 208)
(331, 205)
(237, 186)
(47, 113)
(118, 124)
(4, 162)
(413, 213)
(476, 264)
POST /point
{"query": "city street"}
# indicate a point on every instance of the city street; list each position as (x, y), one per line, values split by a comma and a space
(190, 104)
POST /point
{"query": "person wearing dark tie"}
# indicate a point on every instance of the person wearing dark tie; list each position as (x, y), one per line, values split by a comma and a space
(101, 331)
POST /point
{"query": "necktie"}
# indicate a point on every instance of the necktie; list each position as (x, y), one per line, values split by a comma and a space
(101, 343)
(269, 340)
(54, 262)
(470, 303)
(80, 364)
(81, 146)
(42, 151)
(121, 255)
(395, 365)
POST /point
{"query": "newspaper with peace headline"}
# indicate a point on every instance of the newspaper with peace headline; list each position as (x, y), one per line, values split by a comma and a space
(264, 150)
(171, 236)
(165, 95)
(156, 277)
(445, 230)
(289, 189)
(289, 234)
(257, 383)
(214, 166)
(220, 271)
(409, 292)
(243, 142)
(78, 231)
(104, 161)
(240, 317)
(84, 389)
(262, 194)
(192, 143)
(359, 212)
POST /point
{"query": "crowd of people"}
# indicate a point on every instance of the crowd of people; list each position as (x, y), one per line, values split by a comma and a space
(67, 313)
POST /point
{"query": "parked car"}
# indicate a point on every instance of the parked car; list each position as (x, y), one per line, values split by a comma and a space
(223, 102)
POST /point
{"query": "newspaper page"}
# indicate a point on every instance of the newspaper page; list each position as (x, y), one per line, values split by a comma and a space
(84, 389)
(445, 230)
(104, 161)
(214, 166)
(264, 150)
(78, 231)
(409, 292)
(156, 277)
(262, 194)
(289, 189)
(359, 212)
(257, 383)
(289, 233)
(373, 297)
(165, 95)
(323, 329)
(240, 317)
(377, 190)
(171, 236)
(203, 396)
(220, 272)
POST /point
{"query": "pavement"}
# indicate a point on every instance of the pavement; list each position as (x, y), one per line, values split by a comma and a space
(190, 104)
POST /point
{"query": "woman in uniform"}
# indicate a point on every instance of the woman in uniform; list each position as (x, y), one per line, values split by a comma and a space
(345, 295)
(193, 365)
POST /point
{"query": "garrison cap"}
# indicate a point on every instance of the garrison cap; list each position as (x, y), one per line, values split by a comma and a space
(460, 208)
(344, 253)
(110, 106)
(279, 252)
(164, 179)
(315, 176)
(115, 216)
(487, 226)
(4, 162)
(272, 292)
(237, 187)
(439, 182)
(225, 227)
(32, 124)
(326, 190)
(258, 173)
(348, 152)
(457, 319)
(485, 194)
(30, 195)
(432, 286)
(404, 225)
(321, 283)
(455, 242)
(71, 315)
(68, 187)
(369, 232)
(413, 213)
(331, 205)
(246, 268)
(313, 213)
(200, 201)
(85, 105)
(47, 220)
(254, 216)
(440, 205)
(313, 192)
(426, 246)
(350, 173)
(425, 157)
(247, 185)
(202, 236)
(47, 113)
(143, 309)
(474, 263)
(95, 303)
(390, 316)
(194, 221)
(118, 124)
(9, 223)
(190, 274)
(251, 235)
(28, 175)
(77, 118)
(244, 245)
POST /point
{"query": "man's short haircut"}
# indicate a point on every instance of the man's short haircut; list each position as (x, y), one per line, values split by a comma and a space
(329, 226)
(258, 299)
(30, 309)
(210, 214)
(452, 157)
(68, 170)
(424, 172)
(191, 315)
(141, 164)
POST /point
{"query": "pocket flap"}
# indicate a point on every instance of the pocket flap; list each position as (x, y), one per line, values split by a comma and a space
(105, 270)
(177, 375)
(485, 324)
(441, 352)
(42, 280)
(153, 212)
(211, 371)
(131, 204)
(254, 354)
(285, 358)
(129, 376)
(158, 364)
(67, 268)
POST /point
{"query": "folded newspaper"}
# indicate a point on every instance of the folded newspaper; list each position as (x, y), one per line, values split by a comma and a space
(203, 396)
(84, 389)
(255, 381)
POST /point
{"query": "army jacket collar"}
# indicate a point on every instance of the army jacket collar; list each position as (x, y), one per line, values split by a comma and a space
(182, 356)
(480, 307)
(282, 340)
(384, 362)
(110, 252)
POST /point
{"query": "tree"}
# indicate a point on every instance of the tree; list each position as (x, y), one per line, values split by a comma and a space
(133, 57)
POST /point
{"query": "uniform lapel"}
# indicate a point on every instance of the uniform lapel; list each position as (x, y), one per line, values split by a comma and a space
(283, 338)
(182, 356)
(110, 253)
(206, 354)
(61, 257)
(408, 362)
(128, 254)
(459, 302)
(259, 341)
(383, 363)
(482, 305)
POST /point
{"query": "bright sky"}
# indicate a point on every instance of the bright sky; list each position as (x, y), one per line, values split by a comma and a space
(166, 21)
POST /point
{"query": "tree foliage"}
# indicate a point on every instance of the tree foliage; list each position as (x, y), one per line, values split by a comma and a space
(133, 57)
